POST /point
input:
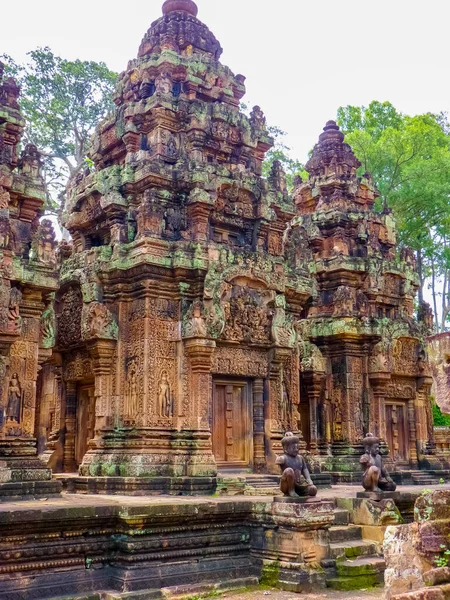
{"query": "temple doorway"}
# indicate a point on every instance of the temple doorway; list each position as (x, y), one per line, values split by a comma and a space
(85, 423)
(397, 437)
(232, 423)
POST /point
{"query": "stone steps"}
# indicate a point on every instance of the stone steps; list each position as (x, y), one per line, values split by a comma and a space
(354, 563)
(358, 574)
(352, 549)
(341, 516)
(343, 533)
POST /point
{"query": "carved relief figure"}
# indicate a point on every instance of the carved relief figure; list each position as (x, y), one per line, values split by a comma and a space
(14, 406)
(30, 162)
(5, 232)
(133, 406)
(257, 119)
(283, 333)
(98, 322)
(285, 412)
(247, 317)
(44, 243)
(4, 198)
(295, 479)
(194, 325)
(343, 301)
(375, 477)
(69, 320)
(48, 324)
(164, 397)
(15, 320)
(277, 178)
(163, 83)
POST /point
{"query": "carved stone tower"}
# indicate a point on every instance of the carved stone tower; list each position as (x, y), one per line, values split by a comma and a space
(369, 371)
(28, 280)
(176, 310)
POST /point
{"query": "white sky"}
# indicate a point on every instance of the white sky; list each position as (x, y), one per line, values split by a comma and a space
(302, 60)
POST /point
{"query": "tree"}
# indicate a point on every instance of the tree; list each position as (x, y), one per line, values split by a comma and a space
(62, 102)
(409, 158)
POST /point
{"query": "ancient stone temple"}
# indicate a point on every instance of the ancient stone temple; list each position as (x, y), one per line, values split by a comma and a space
(28, 281)
(203, 311)
(363, 361)
(175, 352)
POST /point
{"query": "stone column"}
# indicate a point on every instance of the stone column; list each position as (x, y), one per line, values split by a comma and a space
(201, 461)
(259, 454)
(70, 465)
(314, 382)
(377, 421)
(102, 352)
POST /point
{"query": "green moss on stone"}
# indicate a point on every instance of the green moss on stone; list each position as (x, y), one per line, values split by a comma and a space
(271, 574)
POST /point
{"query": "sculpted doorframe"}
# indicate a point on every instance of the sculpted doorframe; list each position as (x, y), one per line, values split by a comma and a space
(251, 365)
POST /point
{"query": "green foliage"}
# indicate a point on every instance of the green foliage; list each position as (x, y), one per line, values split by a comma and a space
(444, 559)
(280, 151)
(62, 101)
(409, 159)
(440, 419)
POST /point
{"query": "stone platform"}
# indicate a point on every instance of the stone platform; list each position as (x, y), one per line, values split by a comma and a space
(79, 544)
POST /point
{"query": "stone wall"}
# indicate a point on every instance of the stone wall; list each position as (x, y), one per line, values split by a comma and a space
(413, 551)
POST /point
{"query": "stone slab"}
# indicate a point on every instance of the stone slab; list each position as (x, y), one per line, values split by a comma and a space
(290, 500)
(141, 486)
(377, 496)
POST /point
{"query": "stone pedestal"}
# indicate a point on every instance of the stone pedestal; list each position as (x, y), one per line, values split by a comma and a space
(22, 474)
(291, 553)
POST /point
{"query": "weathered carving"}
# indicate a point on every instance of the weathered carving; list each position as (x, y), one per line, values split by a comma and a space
(165, 397)
(69, 318)
(97, 322)
(44, 244)
(247, 317)
(15, 399)
(295, 479)
(375, 477)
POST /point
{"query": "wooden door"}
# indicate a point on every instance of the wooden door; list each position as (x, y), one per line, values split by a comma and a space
(85, 421)
(397, 429)
(232, 424)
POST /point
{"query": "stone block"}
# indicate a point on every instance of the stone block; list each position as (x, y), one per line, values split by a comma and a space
(437, 576)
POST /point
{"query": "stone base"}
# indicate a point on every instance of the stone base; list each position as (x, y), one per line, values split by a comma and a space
(377, 496)
(29, 490)
(300, 500)
(141, 486)
(74, 546)
(148, 453)
(23, 476)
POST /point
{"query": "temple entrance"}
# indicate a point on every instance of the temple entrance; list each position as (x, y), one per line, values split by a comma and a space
(232, 423)
(85, 424)
(397, 437)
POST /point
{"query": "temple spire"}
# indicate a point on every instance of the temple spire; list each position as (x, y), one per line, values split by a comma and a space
(188, 6)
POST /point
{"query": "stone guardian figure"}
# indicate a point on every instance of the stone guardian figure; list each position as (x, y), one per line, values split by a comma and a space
(295, 479)
(375, 477)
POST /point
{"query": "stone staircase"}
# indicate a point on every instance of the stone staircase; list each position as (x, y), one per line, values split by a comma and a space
(235, 483)
(354, 563)
(424, 478)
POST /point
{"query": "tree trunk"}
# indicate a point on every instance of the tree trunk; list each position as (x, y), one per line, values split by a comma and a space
(433, 291)
(420, 273)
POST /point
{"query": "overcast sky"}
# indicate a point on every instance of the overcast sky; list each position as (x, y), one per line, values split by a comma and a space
(302, 60)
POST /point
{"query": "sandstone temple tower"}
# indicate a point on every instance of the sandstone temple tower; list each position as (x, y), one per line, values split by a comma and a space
(203, 311)
(174, 333)
(28, 282)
